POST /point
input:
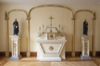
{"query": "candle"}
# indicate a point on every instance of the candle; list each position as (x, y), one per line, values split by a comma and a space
(39, 28)
(62, 28)
(59, 26)
(43, 26)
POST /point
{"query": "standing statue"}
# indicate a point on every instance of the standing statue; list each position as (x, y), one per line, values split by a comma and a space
(16, 27)
(85, 27)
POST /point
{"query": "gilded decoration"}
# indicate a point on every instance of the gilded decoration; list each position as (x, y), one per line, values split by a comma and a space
(51, 48)
(85, 10)
(14, 49)
(20, 10)
(94, 16)
(6, 16)
(86, 48)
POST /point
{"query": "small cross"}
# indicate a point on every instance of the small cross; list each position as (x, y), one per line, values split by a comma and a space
(51, 20)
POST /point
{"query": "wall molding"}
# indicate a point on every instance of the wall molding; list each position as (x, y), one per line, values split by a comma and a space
(67, 54)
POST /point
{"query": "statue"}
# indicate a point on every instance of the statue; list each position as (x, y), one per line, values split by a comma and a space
(85, 27)
(16, 27)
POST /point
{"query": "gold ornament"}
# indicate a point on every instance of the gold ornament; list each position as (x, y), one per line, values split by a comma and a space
(51, 48)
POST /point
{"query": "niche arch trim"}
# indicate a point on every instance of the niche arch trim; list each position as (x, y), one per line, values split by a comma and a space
(51, 6)
(89, 11)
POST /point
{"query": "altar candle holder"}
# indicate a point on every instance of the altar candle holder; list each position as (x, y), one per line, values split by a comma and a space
(43, 28)
(59, 28)
(39, 31)
(62, 29)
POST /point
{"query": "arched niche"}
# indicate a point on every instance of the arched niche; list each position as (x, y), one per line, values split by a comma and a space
(21, 16)
(35, 17)
(80, 16)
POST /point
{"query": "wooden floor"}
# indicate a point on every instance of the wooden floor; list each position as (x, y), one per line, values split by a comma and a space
(33, 62)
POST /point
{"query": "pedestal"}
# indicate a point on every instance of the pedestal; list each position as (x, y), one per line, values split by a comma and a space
(85, 47)
(15, 47)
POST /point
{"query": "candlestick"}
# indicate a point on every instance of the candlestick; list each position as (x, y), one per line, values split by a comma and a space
(59, 27)
(39, 31)
(39, 28)
(62, 28)
(43, 28)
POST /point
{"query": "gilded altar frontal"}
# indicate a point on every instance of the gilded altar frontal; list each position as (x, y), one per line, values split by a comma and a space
(58, 33)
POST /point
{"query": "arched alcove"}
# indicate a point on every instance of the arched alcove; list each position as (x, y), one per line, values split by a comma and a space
(91, 17)
(40, 17)
(21, 16)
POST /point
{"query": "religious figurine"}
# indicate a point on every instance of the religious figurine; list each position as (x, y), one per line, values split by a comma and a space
(16, 27)
(85, 27)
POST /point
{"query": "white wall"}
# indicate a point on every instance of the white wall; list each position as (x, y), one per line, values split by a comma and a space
(40, 16)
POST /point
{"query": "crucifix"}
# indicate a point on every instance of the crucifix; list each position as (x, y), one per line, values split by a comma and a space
(51, 21)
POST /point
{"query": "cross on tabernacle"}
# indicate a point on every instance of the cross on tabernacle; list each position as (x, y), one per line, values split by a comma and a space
(51, 21)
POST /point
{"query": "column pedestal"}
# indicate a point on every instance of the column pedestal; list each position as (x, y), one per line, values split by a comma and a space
(85, 47)
(15, 46)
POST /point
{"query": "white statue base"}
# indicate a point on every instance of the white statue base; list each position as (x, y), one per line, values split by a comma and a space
(85, 47)
(51, 50)
(15, 46)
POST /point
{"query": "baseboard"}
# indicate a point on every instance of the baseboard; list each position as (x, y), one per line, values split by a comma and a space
(78, 53)
(68, 54)
(2, 54)
(34, 54)
(98, 53)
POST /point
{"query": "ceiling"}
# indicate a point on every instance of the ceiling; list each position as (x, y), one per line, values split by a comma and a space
(59, 2)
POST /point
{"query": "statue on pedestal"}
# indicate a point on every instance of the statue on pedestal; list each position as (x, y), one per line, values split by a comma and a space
(85, 27)
(16, 27)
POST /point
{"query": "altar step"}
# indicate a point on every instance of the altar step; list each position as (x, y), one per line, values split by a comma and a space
(50, 59)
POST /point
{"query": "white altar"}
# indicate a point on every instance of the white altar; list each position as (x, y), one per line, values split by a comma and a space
(51, 44)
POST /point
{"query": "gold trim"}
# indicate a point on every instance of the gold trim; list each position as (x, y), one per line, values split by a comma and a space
(42, 48)
(60, 48)
(17, 10)
(85, 10)
(6, 16)
(94, 16)
(51, 6)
